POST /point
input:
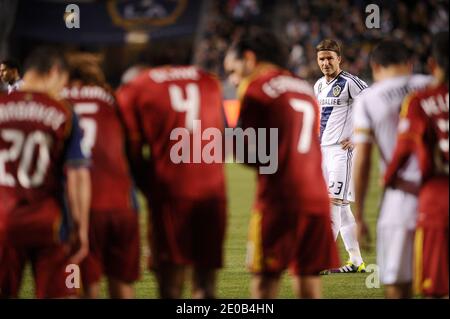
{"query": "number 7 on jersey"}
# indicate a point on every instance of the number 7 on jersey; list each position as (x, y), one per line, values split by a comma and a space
(304, 141)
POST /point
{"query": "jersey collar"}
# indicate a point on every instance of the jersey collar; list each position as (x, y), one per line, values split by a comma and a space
(328, 83)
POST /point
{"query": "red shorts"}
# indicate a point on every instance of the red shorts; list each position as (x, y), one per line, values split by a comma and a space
(49, 270)
(431, 261)
(35, 236)
(187, 232)
(114, 247)
(301, 241)
(431, 242)
(433, 202)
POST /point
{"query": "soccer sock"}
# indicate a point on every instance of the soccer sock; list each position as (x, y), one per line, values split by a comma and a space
(335, 219)
(349, 237)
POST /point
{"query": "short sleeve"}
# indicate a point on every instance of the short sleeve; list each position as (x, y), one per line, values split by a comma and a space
(74, 156)
(356, 86)
(412, 124)
(362, 124)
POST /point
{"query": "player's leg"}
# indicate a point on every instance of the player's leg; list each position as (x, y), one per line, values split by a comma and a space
(431, 261)
(121, 251)
(91, 267)
(171, 280)
(12, 265)
(91, 291)
(341, 192)
(203, 283)
(349, 234)
(315, 250)
(50, 269)
(327, 162)
(119, 289)
(170, 239)
(431, 276)
(264, 286)
(395, 243)
(336, 206)
(307, 287)
(208, 233)
(270, 248)
(394, 258)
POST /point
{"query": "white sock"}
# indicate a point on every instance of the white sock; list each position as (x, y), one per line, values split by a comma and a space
(335, 220)
(349, 237)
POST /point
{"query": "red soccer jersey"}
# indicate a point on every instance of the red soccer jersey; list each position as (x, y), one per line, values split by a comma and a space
(38, 135)
(160, 107)
(103, 141)
(274, 98)
(423, 129)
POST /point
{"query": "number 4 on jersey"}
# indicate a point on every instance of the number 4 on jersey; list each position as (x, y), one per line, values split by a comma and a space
(190, 104)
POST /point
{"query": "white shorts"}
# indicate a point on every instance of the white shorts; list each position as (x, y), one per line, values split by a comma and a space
(395, 237)
(337, 168)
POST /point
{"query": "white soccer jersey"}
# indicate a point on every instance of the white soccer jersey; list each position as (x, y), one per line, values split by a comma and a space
(336, 99)
(376, 117)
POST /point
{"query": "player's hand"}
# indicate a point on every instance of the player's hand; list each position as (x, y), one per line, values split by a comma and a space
(347, 144)
(81, 248)
(363, 234)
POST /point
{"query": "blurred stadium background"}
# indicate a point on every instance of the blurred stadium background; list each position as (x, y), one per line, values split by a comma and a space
(127, 33)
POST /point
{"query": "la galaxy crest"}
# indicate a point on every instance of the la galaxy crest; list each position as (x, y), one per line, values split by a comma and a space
(135, 14)
(337, 90)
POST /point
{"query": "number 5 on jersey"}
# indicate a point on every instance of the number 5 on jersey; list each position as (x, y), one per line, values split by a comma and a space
(88, 125)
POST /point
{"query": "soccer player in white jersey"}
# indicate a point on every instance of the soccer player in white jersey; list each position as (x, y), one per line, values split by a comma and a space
(335, 92)
(376, 117)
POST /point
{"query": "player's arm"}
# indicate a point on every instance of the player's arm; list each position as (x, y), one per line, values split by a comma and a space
(78, 190)
(248, 119)
(363, 139)
(409, 139)
(126, 98)
(355, 87)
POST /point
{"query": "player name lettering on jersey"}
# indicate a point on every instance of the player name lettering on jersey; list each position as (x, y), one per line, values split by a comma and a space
(282, 84)
(32, 111)
(88, 92)
(329, 102)
(435, 104)
(174, 74)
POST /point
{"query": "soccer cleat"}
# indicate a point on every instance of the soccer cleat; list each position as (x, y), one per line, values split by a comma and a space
(348, 268)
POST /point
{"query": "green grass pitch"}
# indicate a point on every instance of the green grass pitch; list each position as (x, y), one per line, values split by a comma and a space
(233, 279)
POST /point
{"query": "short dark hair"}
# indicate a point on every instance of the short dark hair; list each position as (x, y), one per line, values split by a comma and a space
(390, 52)
(43, 58)
(264, 44)
(329, 45)
(12, 64)
(439, 51)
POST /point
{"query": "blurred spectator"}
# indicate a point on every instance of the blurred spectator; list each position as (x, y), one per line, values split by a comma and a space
(10, 74)
(305, 23)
